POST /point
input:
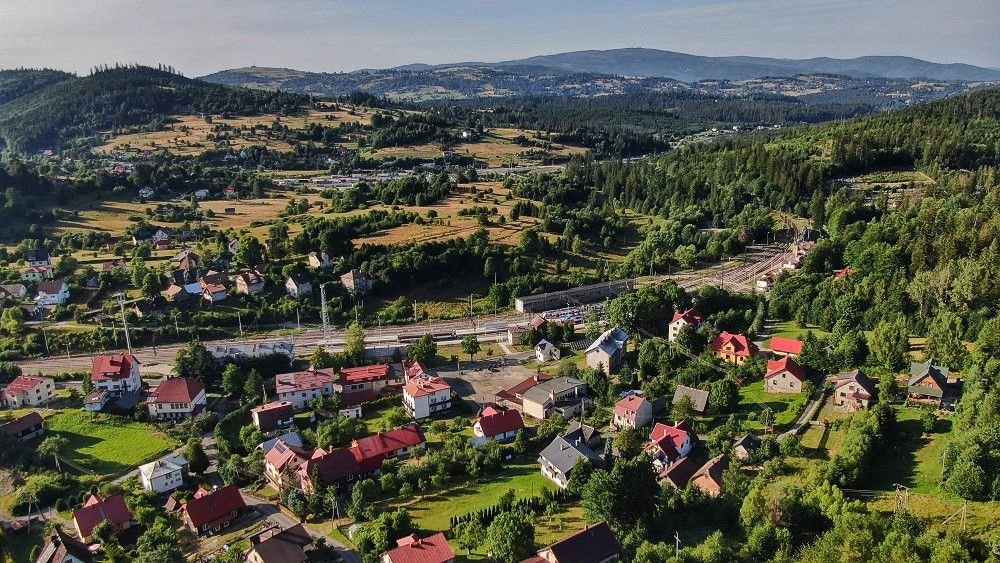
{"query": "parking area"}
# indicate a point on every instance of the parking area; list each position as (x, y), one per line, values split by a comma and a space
(481, 383)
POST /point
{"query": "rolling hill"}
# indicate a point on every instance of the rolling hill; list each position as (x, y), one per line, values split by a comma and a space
(45, 109)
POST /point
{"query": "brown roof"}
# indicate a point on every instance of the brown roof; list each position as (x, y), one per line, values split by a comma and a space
(98, 510)
(214, 507)
(514, 393)
(414, 549)
(593, 543)
(285, 546)
(177, 390)
(21, 423)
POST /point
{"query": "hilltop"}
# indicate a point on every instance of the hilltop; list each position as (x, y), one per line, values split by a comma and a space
(46, 109)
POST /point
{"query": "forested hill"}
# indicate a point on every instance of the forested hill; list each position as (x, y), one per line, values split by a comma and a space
(43, 109)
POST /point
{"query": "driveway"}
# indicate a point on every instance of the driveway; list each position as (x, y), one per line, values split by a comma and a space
(271, 512)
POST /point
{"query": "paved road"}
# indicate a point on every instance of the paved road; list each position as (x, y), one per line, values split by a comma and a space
(807, 414)
(271, 512)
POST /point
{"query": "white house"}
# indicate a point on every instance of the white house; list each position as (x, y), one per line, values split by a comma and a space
(320, 260)
(146, 192)
(163, 475)
(28, 391)
(497, 424)
(296, 286)
(176, 398)
(38, 273)
(424, 396)
(301, 387)
(690, 317)
(545, 351)
(52, 293)
(115, 373)
(214, 292)
(201, 194)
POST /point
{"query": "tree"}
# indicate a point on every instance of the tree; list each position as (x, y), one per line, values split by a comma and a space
(196, 457)
(195, 361)
(622, 496)
(321, 359)
(422, 350)
(12, 321)
(396, 416)
(510, 537)
(889, 344)
(364, 492)
(232, 380)
(50, 446)
(253, 388)
(354, 342)
(469, 534)
(251, 437)
(150, 285)
(988, 341)
(579, 475)
(249, 251)
(471, 346)
(628, 442)
(521, 442)
(683, 409)
(944, 340)
(592, 324)
(339, 431)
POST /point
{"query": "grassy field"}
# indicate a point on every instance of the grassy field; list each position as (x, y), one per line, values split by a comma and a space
(785, 406)
(188, 134)
(433, 513)
(792, 329)
(494, 149)
(107, 445)
(914, 460)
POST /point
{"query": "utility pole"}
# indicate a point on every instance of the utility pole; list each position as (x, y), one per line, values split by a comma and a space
(239, 319)
(677, 545)
(128, 340)
(324, 314)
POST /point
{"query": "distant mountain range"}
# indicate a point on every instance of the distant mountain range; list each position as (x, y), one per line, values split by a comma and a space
(879, 81)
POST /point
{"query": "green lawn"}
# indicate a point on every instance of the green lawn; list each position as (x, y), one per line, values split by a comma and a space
(433, 513)
(105, 444)
(792, 329)
(913, 459)
(786, 406)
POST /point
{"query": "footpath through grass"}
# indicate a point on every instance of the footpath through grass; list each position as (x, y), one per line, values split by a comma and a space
(107, 445)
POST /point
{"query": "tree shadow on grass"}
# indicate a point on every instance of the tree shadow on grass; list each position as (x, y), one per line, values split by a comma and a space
(897, 461)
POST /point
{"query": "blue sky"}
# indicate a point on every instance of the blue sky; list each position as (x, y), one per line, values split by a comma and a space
(202, 36)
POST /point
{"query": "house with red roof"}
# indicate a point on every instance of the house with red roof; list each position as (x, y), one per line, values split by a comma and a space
(250, 282)
(667, 444)
(497, 424)
(214, 511)
(691, 317)
(734, 348)
(679, 473)
(853, 390)
(281, 461)
(301, 387)
(708, 478)
(97, 510)
(513, 398)
(276, 415)
(411, 369)
(394, 443)
(786, 346)
(414, 549)
(426, 395)
(372, 378)
(214, 292)
(632, 412)
(115, 373)
(784, 376)
(335, 468)
(843, 273)
(28, 391)
(176, 398)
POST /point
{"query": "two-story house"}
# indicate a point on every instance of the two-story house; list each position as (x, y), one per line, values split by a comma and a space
(734, 348)
(28, 391)
(608, 351)
(52, 293)
(691, 317)
(426, 396)
(176, 398)
(115, 373)
(163, 475)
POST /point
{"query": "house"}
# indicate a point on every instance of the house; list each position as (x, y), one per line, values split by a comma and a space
(372, 379)
(115, 373)
(146, 192)
(95, 401)
(745, 447)
(284, 546)
(708, 478)
(175, 293)
(52, 293)
(843, 273)
(786, 346)
(335, 467)
(214, 292)
(853, 390)
(765, 282)
(38, 273)
(412, 369)
(14, 290)
(214, 511)
(784, 376)
(38, 257)
(678, 473)
(594, 544)
(201, 194)
(564, 452)
(545, 351)
(515, 332)
(356, 282)
(249, 283)
(699, 398)
(733, 348)
(163, 244)
(414, 549)
(667, 444)
(608, 351)
(163, 233)
(297, 286)
(61, 547)
(302, 387)
(319, 260)
(426, 396)
(98, 510)
(163, 475)
(513, 398)
(691, 317)
(28, 391)
(188, 261)
(176, 398)
(112, 265)
(928, 381)
(632, 411)
(397, 442)
(276, 415)
(24, 427)
(561, 394)
(497, 424)
(281, 461)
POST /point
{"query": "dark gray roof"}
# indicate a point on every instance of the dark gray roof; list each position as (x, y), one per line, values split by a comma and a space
(540, 393)
(938, 372)
(563, 454)
(749, 442)
(595, 543)
(611, 342)
(285, 546)
(698, 397)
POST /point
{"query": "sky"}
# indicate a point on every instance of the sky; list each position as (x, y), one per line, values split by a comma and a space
(202, 36)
